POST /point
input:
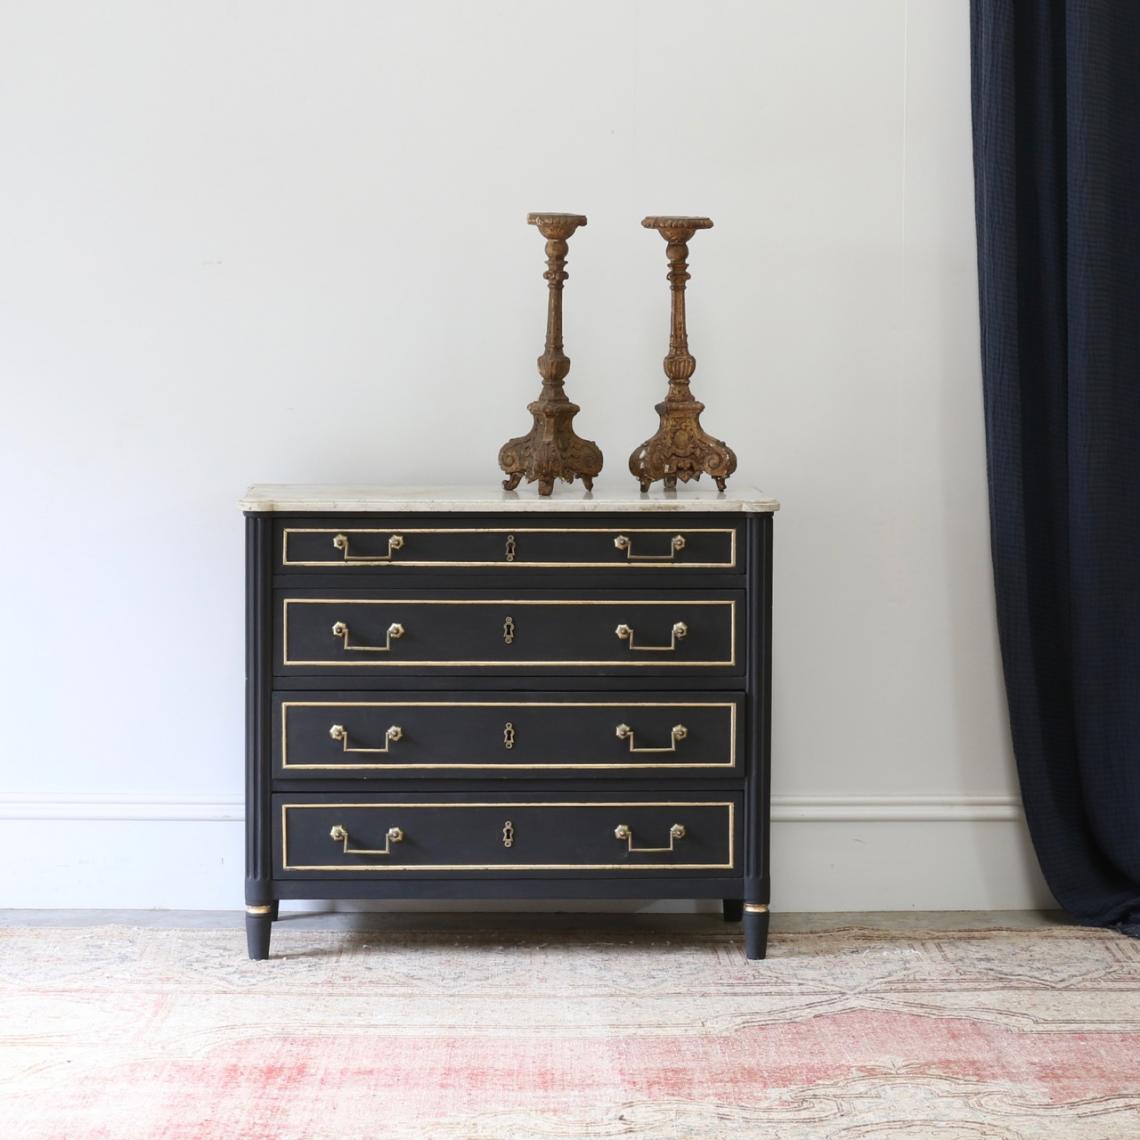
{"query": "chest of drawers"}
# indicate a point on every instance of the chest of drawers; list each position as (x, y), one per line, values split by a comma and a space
(453, 695)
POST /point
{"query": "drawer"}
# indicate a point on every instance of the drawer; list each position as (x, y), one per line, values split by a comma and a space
(327, 836)
(605, 634)
(342, 735)
(378, 544)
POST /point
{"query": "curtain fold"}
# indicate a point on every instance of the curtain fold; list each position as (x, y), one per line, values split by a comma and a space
(1056, 121)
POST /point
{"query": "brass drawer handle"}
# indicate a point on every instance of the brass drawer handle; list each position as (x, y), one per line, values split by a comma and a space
(394, 733)
(680, 630)
(340, 835)
(624, 831)
(395, 632)
(624, 542)
(677, 732)
(395, 542)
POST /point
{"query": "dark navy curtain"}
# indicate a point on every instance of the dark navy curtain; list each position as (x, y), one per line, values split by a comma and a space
(1056, 106)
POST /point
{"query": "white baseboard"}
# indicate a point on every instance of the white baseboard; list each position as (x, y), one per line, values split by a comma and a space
(785, 809)
(861, 853)
(113, 809)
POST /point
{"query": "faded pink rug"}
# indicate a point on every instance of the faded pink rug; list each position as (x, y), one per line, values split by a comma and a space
(123, 1032)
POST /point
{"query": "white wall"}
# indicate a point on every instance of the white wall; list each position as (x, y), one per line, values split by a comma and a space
(285, 241)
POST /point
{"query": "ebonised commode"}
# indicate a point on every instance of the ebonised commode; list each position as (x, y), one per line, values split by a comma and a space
(453, 694)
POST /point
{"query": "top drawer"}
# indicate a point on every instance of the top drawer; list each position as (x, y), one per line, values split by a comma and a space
(387, 544)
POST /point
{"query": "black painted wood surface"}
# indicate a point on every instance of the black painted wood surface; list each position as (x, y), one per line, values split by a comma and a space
(538, 631)
(556, 673)
(395, 543)
(425, 736)
(330, 836)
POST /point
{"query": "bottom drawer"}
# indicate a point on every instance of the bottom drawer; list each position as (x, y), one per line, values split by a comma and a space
(333, 836)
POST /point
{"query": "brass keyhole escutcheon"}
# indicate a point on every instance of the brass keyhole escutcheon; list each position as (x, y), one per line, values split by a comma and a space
(508, 735)
(510, 548)
(508, 629)
(508, 834)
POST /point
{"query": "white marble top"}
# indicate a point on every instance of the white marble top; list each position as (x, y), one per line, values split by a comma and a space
(333, 498)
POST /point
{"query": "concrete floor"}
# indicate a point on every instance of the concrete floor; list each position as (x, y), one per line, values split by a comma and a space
(372, 920)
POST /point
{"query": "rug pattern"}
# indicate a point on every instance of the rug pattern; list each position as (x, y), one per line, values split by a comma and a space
(119, 1032)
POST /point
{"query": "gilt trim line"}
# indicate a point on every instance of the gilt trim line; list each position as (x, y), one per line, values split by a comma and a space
(518, 705)
(512, 867)
(331, 562)
(617, 662)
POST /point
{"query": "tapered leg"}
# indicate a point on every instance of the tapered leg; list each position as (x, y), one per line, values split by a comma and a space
(755, 930)
(274, 910)
(258, 926)
(733, 910)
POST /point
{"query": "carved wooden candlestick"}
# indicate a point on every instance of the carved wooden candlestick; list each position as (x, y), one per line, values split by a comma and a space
(681, 448)
(551, 450)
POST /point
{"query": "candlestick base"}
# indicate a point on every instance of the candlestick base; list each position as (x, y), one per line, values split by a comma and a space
(681, 449)
(550, 450)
